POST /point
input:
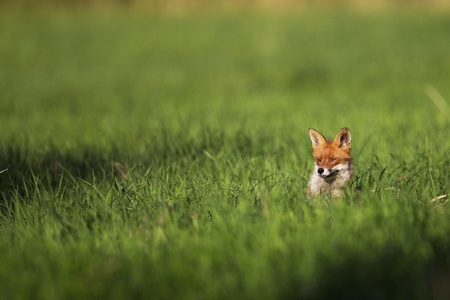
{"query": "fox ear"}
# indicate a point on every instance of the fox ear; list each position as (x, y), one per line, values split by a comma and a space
(343, 139)
(316, 138)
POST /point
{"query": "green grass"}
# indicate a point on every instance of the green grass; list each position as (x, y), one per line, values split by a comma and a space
(163, 157)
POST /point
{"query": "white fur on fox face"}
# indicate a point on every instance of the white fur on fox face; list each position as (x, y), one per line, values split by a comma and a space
(342, 167)
(343, 170)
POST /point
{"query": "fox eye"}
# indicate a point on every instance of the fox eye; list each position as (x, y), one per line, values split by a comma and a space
(319, 160)
(332, 159)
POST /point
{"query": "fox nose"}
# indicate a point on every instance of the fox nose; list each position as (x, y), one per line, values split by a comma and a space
(320, 171)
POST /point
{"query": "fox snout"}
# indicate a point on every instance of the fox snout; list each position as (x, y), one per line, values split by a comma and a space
(324, 172)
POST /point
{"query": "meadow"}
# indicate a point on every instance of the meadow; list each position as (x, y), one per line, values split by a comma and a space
(166, 156)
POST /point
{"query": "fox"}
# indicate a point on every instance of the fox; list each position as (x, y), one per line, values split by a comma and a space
(333, 166)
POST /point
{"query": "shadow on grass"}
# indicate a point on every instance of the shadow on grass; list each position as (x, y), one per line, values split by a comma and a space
(28, 167)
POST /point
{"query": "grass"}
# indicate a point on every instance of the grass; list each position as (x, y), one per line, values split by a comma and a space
(154, 156)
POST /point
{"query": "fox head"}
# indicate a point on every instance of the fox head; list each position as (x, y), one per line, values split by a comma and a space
(332, 157)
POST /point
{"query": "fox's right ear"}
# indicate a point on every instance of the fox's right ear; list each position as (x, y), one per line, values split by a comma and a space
(316, 138)
(343, 139)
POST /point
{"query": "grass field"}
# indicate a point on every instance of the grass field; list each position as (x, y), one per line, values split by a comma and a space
(153, 156)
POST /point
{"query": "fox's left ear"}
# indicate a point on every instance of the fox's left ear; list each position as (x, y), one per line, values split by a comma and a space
(343, 139)
(317, 139)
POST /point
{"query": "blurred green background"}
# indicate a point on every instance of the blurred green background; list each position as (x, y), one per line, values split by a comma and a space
(93, 72)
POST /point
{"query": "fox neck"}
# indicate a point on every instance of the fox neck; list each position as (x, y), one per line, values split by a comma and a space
(330, 181)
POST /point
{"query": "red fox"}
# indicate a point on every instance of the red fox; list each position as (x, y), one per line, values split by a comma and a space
(333, 167)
